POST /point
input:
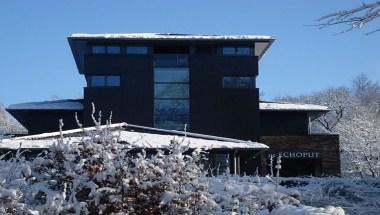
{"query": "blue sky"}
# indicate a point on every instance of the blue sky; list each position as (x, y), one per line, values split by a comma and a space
(36, 62)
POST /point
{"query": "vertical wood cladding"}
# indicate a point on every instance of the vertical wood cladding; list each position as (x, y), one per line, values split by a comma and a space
(132, 102)
(327, 145)
(219, 111)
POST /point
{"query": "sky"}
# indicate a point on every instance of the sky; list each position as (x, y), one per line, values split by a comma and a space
(36, 63)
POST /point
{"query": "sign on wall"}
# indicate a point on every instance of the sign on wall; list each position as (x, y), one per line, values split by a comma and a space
(295, 154)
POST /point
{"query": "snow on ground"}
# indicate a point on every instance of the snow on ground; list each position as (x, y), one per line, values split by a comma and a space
(359, 196)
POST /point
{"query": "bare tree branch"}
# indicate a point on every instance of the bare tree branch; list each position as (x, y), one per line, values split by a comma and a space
(355, 18)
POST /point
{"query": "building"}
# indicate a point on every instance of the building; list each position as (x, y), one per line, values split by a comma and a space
(206, 82)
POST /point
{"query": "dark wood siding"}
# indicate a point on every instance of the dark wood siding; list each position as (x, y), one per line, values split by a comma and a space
(132, 102)
(218, 111)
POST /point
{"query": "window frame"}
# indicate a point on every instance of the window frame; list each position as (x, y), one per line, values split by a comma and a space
(232, 84)
(105, 81)
(237, 51)
(136, 47)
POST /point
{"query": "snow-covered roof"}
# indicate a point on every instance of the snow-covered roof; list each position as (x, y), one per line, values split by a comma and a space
(168, 36)
(133, 139)
(66, 104)
(283, 106)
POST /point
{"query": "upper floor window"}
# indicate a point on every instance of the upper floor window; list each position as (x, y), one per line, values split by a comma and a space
(171, 60)
(237, 50)
(238, 82)
(104, 81)
(98, 49)
(137, 50)
(113, 49)
(103, 49)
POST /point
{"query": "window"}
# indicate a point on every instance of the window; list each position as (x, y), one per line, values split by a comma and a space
(103, 49)
(238, 50)
(113, 81)
(171, 60)
(98, 49)
(113, 49)
(238, 82)
(171, 113)
(98, 81)
(221, 163)
(105, 81)
(137, 50)
(179, 75)
(171, 93)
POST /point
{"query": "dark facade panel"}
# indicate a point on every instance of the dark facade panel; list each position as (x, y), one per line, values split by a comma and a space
(132, 101)
(42, 121)
(279, 123)
(219, 111)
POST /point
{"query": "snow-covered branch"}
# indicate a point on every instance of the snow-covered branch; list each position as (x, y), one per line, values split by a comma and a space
(355, 18)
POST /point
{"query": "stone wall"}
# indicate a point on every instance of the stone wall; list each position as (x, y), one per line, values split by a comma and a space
(327, 145)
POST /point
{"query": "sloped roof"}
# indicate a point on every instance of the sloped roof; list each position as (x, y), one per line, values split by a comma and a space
(283, 106)
(65, 104)
(134, 139)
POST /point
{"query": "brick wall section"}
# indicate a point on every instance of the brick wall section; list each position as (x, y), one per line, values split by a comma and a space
(327, 145)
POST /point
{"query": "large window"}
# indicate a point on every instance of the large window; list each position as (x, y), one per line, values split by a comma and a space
(238, 82)
(237, 50)
(104, 81)
(171, 97)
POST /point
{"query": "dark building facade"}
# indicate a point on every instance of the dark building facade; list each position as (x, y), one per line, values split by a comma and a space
(206, 83)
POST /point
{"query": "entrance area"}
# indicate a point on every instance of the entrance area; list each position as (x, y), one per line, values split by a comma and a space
(298, 167)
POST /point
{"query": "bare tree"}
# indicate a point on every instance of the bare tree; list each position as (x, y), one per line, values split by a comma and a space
(354, 18)
(366, 90)
(355, 116)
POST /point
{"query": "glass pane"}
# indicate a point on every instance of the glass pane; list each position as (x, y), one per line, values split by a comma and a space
(98, 49)
(171, 91)
(171, 113)
(98, 81)
(113, 81)
(238, 82)
(243, 51)
(113, 49)
(221, 162)
(171, 75)
(228, 50)
(137, 50)
(170, 60)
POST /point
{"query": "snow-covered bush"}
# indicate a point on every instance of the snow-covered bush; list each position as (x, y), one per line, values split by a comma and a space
(101, 175)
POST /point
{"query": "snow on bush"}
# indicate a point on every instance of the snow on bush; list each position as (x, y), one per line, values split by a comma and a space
(99, 175)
